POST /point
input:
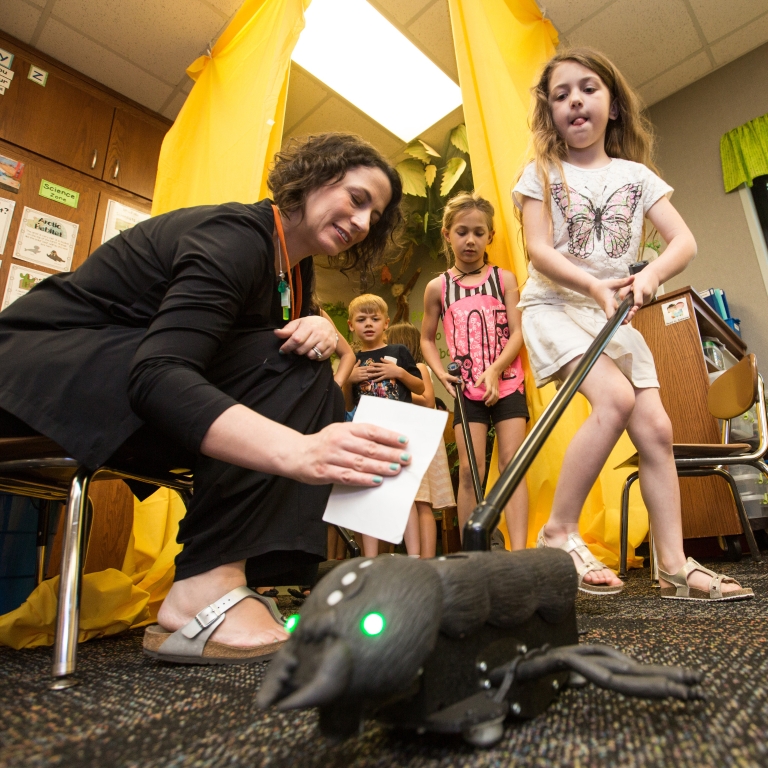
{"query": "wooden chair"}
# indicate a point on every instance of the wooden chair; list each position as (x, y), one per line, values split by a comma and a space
(33, 465)
(730, 395)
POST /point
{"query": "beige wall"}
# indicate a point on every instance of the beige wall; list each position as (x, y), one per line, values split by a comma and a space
(689, 125)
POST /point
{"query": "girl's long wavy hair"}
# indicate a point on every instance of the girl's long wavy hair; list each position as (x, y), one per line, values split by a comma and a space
(309, 162)
(628, 137)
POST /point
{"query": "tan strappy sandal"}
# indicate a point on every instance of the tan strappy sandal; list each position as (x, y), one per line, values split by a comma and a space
(589, 563)
(681, 590)
(192, 644)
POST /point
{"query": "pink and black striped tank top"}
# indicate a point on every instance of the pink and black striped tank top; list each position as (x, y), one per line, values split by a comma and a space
(476, 331)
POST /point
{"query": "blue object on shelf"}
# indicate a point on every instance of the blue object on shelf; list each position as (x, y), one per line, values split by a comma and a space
(734, 324)
(715, 297)
(18, 550)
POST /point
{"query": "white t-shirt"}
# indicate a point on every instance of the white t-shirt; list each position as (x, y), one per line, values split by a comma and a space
(601, 229)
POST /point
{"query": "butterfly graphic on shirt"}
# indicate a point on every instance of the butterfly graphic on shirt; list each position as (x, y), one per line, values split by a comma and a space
(610, 223)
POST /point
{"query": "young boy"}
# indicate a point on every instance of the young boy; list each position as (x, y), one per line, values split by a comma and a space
(381, 370)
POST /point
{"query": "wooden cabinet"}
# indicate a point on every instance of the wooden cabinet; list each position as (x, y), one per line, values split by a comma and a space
(707, 505)
(79, 123)
(35, 170)
(134, 149)
(59, 121)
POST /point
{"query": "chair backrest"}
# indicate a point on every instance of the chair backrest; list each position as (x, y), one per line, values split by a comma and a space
(735, 391)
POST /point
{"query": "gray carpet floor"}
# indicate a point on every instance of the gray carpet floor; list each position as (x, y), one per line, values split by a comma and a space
(132, 712)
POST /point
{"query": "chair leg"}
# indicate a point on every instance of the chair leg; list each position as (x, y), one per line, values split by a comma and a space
(624, 532)
(72, 559)
(754, 550)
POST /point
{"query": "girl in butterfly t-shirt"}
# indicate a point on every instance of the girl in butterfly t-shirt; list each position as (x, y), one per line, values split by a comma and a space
(584, 199)
(477, 303)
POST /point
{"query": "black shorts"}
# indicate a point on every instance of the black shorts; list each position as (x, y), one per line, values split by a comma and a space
(510, 407)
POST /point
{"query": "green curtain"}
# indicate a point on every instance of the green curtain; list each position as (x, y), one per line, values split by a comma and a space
(744, 153)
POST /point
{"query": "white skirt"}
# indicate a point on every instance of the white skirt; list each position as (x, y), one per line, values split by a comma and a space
(436, 488)
(555, 334)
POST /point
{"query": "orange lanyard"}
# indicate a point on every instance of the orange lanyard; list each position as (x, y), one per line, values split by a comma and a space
(296, 296)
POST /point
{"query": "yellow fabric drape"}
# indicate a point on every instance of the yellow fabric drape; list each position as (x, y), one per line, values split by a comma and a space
(231, 124)
(218, 150)
(501, 46)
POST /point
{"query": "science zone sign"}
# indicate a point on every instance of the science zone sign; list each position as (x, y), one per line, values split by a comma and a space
(46, 240)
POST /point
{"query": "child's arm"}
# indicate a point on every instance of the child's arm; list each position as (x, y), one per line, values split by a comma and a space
(490, 376)
(346, 357)
(428, 398)
(681, 248)
(552, 263)
(429, 323)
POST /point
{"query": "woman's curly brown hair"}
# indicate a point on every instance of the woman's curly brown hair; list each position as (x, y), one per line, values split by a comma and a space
(310, 162)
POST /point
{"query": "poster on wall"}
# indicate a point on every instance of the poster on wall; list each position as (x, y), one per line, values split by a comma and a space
(10, 173)
(6, 214)
(46, 240)
(119, 218)
(20, 281)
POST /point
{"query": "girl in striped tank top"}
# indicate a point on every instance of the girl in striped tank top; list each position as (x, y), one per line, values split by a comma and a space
(477, 303)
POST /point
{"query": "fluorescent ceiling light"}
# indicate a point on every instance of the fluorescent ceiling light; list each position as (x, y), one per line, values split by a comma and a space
(352, 48)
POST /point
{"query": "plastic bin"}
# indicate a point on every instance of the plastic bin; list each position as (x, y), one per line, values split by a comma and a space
(753, 503)
(747, 479)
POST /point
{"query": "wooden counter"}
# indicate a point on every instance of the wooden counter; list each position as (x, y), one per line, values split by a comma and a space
(707, 504)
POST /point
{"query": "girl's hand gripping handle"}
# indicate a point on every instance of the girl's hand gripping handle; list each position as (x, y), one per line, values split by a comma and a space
(453, 376)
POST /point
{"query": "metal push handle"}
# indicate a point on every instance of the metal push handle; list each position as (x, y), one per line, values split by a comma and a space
(485, 517)
(455, 370)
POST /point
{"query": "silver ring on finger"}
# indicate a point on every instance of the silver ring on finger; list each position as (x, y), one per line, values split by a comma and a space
(318, 353)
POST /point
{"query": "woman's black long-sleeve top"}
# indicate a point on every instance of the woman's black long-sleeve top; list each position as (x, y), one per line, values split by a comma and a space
(86, 357)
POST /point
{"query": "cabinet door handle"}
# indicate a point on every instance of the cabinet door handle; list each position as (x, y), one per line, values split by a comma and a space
(94, 158)
(117, 168)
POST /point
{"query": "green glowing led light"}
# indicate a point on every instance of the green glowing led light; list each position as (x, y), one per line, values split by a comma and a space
(292, 622)
(372, 624)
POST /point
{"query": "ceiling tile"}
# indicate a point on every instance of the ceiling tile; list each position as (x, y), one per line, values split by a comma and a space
(304, 94)
(717, 18)
(433, 31)
(227, 7)
(567, 14)
(19, 19)
(401, 11)
(337, 115)
(678, 77)
(103, 66)
(163, 38)
(642, 39)
(173, 109)
(742, 41)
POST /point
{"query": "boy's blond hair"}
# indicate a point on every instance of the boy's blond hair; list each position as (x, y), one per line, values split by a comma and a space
(368, 304)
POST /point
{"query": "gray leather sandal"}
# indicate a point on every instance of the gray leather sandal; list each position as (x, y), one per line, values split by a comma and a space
(681, 590)
(192, 644)
(589, 563)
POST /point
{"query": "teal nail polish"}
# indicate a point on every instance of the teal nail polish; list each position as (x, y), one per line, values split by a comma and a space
(377, 479)
(394, 467)
(402, 439)
(280, 352)
(405, 457)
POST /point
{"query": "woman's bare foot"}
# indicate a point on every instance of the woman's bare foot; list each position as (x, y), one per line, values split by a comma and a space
(246, 624)
(556, 537)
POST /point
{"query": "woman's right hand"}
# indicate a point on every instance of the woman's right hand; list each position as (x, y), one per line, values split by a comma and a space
(349, 454)
(608, 293)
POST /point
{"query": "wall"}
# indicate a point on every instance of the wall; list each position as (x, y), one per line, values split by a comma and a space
(689, 125)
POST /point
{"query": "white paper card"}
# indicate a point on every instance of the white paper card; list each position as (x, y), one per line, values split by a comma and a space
(6, 214)
(383, 511)
(45, 239)
(119, 218)
(20, 281)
